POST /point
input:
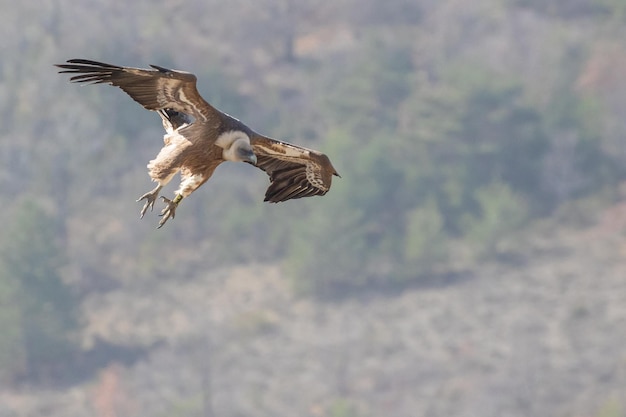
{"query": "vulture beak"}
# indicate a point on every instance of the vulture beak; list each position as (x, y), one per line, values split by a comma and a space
(252, 158)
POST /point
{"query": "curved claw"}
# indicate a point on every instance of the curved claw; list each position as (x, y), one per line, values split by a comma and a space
(168, 211)
(150, 198)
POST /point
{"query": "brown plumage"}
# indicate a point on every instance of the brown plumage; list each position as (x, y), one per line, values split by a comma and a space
(199, 137)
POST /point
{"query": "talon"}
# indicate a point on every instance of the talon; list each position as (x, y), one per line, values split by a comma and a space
(169, 210)
(150, 198)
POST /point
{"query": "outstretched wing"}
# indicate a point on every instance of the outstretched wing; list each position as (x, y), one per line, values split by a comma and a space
(294, 171)
(155, 89)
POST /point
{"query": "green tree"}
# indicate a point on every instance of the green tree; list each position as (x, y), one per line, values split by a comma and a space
(469, 129)
(425, 238)
(12, 354)
(501, 213)
(37, 308)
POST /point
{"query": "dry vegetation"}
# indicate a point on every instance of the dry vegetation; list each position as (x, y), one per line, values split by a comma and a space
(542, 337)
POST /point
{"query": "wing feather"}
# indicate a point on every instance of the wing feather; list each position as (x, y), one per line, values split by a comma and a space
(155, 89)
(294, 171)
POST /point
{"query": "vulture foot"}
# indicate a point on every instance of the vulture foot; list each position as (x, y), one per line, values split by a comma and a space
(169, 210)
(150, 198)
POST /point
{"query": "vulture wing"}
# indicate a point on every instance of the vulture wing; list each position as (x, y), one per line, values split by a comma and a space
(159, 89)
(294, 171)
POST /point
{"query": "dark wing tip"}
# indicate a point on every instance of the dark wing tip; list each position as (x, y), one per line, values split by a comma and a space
(87, 71)
(91, 62)
(75, 63)
(325, 161)
(290, 186)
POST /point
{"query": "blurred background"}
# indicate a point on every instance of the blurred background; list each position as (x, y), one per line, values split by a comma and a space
(471, 261)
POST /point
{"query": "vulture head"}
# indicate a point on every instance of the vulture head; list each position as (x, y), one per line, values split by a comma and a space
(237, 147)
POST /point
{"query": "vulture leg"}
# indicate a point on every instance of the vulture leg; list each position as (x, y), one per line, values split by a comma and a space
(150, 198)
(170, 209)
(190, 182)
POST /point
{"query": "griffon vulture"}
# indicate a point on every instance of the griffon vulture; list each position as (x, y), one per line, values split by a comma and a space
(199, 137)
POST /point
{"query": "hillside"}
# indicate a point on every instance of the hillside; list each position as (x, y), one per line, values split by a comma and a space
(541, 336)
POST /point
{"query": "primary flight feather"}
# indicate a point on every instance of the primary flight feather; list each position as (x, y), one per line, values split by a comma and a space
(199, 137)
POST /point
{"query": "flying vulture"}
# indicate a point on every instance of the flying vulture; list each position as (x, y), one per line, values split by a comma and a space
(199, 137)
